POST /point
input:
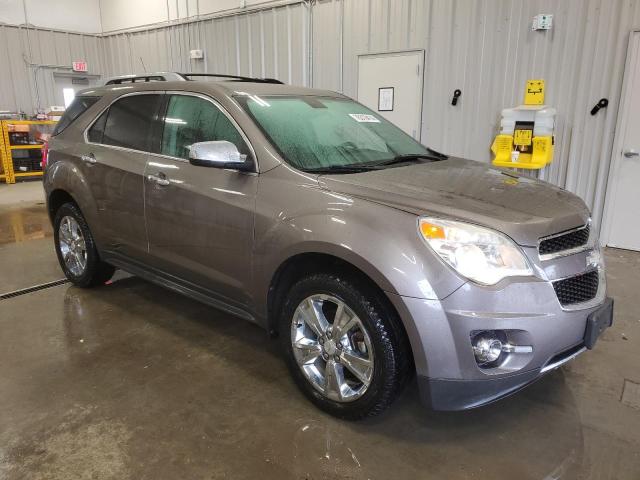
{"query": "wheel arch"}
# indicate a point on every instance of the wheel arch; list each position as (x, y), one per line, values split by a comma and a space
(56, 199)
(316, 260)
(297, 266)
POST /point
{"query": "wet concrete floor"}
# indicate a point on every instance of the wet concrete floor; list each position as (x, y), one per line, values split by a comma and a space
(130, 381)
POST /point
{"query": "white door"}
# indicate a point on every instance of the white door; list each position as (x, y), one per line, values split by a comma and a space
(623, 191)
(65, 87)
(391, 84)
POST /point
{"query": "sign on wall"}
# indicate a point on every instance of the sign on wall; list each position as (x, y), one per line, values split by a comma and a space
(385, 99)
(79, 66)
(534, 93)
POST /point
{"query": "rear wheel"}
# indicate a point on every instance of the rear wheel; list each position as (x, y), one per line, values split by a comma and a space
(76, 249)
(342, 347)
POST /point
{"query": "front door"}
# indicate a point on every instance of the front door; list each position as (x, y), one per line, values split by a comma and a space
(391, 84)
(114, 162)
(200, 219)
(622, 192)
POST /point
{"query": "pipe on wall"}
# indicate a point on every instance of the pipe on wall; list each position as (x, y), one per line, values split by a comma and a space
(341, 46)
(309, 4)
(209, 16)
(35, 74)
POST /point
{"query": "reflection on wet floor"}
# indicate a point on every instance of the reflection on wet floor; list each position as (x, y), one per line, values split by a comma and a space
(131, 381)
(166, 378)
(24, 224)
(175, 389)
(26, 248)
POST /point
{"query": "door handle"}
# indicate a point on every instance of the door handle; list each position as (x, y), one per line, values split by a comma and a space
(91, 159)
(631, 153)
(160, 179)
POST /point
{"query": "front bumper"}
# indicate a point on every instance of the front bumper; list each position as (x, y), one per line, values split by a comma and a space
(440, 333)
(451, 394)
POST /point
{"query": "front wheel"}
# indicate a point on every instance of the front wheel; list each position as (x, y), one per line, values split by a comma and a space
(76, 249)
(342, 346)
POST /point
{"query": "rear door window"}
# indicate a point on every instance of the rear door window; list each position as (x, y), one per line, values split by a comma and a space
(77, 108)
(129, 122)
(189, 120)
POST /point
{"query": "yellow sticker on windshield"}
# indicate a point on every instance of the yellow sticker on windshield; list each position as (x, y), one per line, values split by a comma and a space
(364, 118)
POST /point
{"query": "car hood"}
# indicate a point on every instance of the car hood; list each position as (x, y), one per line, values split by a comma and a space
(523, 208)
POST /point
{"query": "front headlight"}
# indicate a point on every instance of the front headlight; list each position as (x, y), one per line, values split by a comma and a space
(482, 255)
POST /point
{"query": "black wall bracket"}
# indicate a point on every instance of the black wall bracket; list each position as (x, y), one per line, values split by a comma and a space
(602, 103)
(456, 94)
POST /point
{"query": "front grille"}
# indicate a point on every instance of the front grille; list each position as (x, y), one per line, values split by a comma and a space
(566, 241)
(578, 289)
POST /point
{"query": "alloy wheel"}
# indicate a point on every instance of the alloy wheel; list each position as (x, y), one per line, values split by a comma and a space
(72, 245)
(332, 347)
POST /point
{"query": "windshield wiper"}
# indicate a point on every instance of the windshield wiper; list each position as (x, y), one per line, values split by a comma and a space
(441, 156)
(410, 157)
(342, 169)
(366, 167)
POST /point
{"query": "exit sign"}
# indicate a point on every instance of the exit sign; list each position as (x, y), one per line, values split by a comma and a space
(80, 66)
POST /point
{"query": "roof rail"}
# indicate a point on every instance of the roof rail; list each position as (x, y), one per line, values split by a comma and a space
(233, 77)
(175, 76)
(145, 77)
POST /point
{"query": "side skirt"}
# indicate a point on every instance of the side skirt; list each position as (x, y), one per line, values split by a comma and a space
(176, 284)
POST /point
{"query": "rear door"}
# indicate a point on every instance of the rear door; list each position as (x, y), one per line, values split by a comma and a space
(119, 141)
(200, 219)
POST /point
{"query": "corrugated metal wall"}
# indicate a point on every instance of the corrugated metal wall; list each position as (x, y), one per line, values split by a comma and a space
(267, 43)
(29, 58)
(484, 47)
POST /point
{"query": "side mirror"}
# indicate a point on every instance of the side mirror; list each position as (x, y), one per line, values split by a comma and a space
(218, 154)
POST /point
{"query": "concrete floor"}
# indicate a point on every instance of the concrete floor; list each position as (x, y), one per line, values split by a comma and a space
(130, 381)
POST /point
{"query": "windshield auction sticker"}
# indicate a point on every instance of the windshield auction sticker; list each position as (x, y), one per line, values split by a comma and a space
(364, 118)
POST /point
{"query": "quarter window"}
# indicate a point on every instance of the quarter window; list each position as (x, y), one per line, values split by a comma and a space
(97, 129)
(192, 119)
(129, 122)
(78, 106)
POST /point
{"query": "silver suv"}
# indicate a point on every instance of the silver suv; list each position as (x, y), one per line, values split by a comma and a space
(370, 255)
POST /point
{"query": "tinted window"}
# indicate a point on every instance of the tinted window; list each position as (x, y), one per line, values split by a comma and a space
(77, 108)
(129, 122)
(191, 119)
(97, 129)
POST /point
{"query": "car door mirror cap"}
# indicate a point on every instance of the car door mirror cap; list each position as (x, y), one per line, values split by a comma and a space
(218, 154)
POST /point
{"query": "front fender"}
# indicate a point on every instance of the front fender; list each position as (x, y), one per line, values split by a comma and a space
(379, 240)
(385, 247)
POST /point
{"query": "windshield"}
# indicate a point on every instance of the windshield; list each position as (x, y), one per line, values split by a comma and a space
(314, 133)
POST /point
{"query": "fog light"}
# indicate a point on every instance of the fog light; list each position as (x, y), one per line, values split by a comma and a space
(487, 349)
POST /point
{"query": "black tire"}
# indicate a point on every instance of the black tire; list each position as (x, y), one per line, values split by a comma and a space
(96, 272)
(392, 356)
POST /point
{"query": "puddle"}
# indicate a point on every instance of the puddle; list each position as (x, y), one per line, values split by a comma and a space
(24, 224)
